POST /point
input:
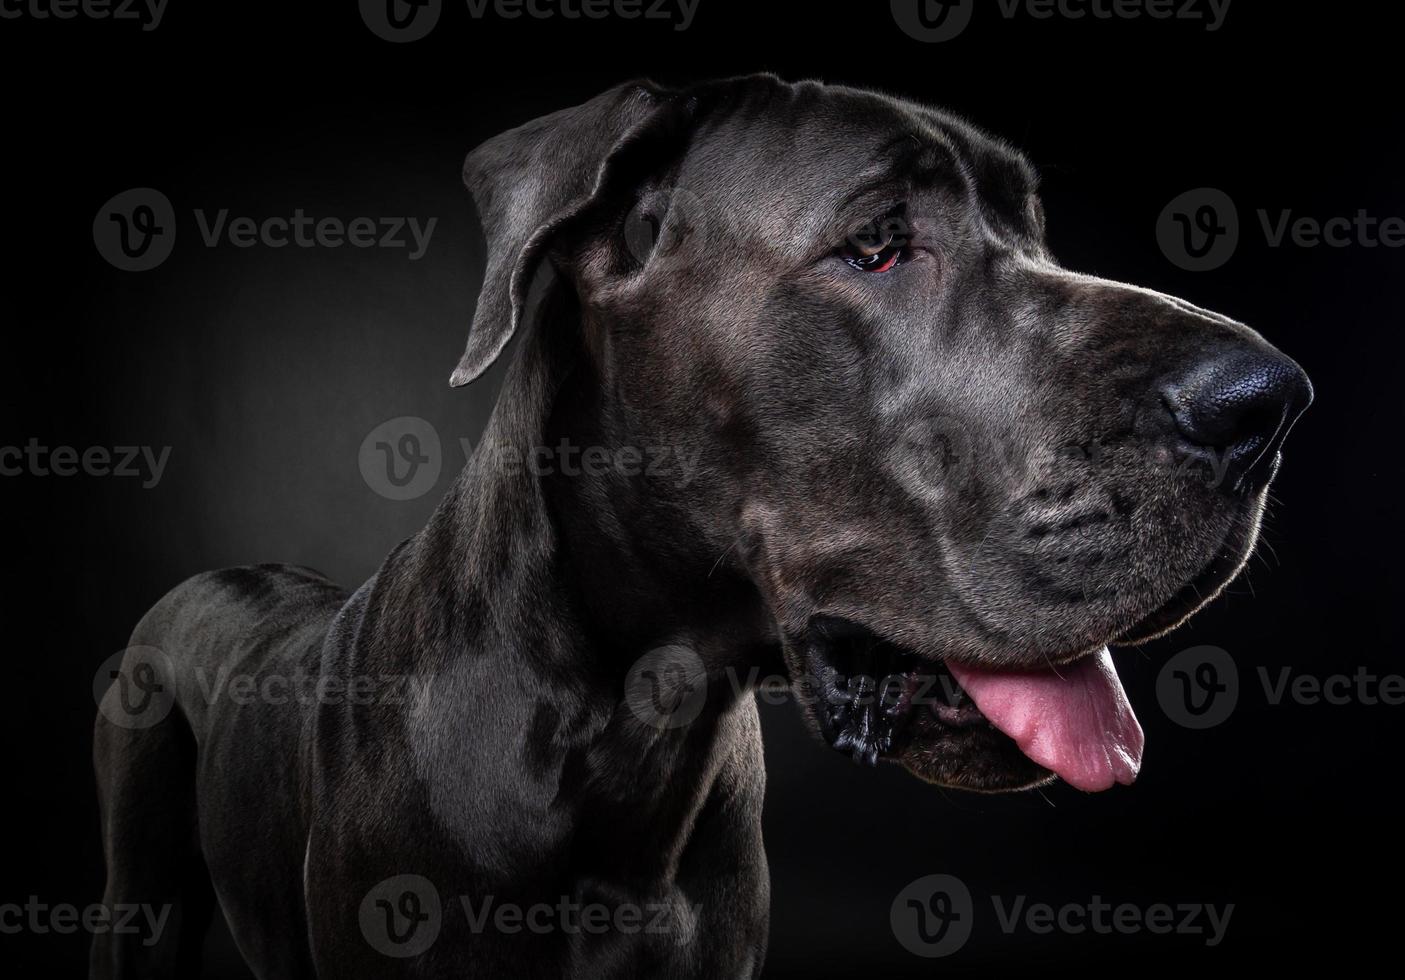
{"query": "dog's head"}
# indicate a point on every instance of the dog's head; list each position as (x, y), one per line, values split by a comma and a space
(952, 470)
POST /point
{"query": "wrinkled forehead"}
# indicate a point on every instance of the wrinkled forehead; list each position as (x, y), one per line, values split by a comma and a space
(807, 156)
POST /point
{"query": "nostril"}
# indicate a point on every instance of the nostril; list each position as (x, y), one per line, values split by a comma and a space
(1240, 405)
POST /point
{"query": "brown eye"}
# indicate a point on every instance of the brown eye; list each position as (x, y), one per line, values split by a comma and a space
(875, 248)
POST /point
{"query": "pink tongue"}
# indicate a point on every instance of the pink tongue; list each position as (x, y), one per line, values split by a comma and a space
(1074, 721)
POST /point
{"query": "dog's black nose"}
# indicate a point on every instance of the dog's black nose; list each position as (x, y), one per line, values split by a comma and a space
(1239, 407)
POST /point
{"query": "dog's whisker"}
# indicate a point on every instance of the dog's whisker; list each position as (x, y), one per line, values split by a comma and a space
(722, 557)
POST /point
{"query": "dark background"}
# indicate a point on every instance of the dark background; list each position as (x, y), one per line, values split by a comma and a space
(263, 369)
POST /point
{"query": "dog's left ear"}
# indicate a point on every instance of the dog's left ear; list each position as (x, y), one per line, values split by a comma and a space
(531, 181)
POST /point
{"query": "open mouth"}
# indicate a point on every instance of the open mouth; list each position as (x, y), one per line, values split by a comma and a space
(970, 726)
(962, 724)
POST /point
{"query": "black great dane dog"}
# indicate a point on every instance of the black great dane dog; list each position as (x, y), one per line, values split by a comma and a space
(933, 475)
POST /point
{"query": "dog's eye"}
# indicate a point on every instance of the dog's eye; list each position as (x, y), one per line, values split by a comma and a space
(879, 261)
(875, 248)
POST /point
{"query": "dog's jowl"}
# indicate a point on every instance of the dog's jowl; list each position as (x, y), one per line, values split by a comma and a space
(916, 467)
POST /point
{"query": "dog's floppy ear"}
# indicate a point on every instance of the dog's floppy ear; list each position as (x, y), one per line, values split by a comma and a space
(532, 180)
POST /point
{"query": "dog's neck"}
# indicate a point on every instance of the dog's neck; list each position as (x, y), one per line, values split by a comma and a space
(644, 572)
(525, 602)
(603, 514)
